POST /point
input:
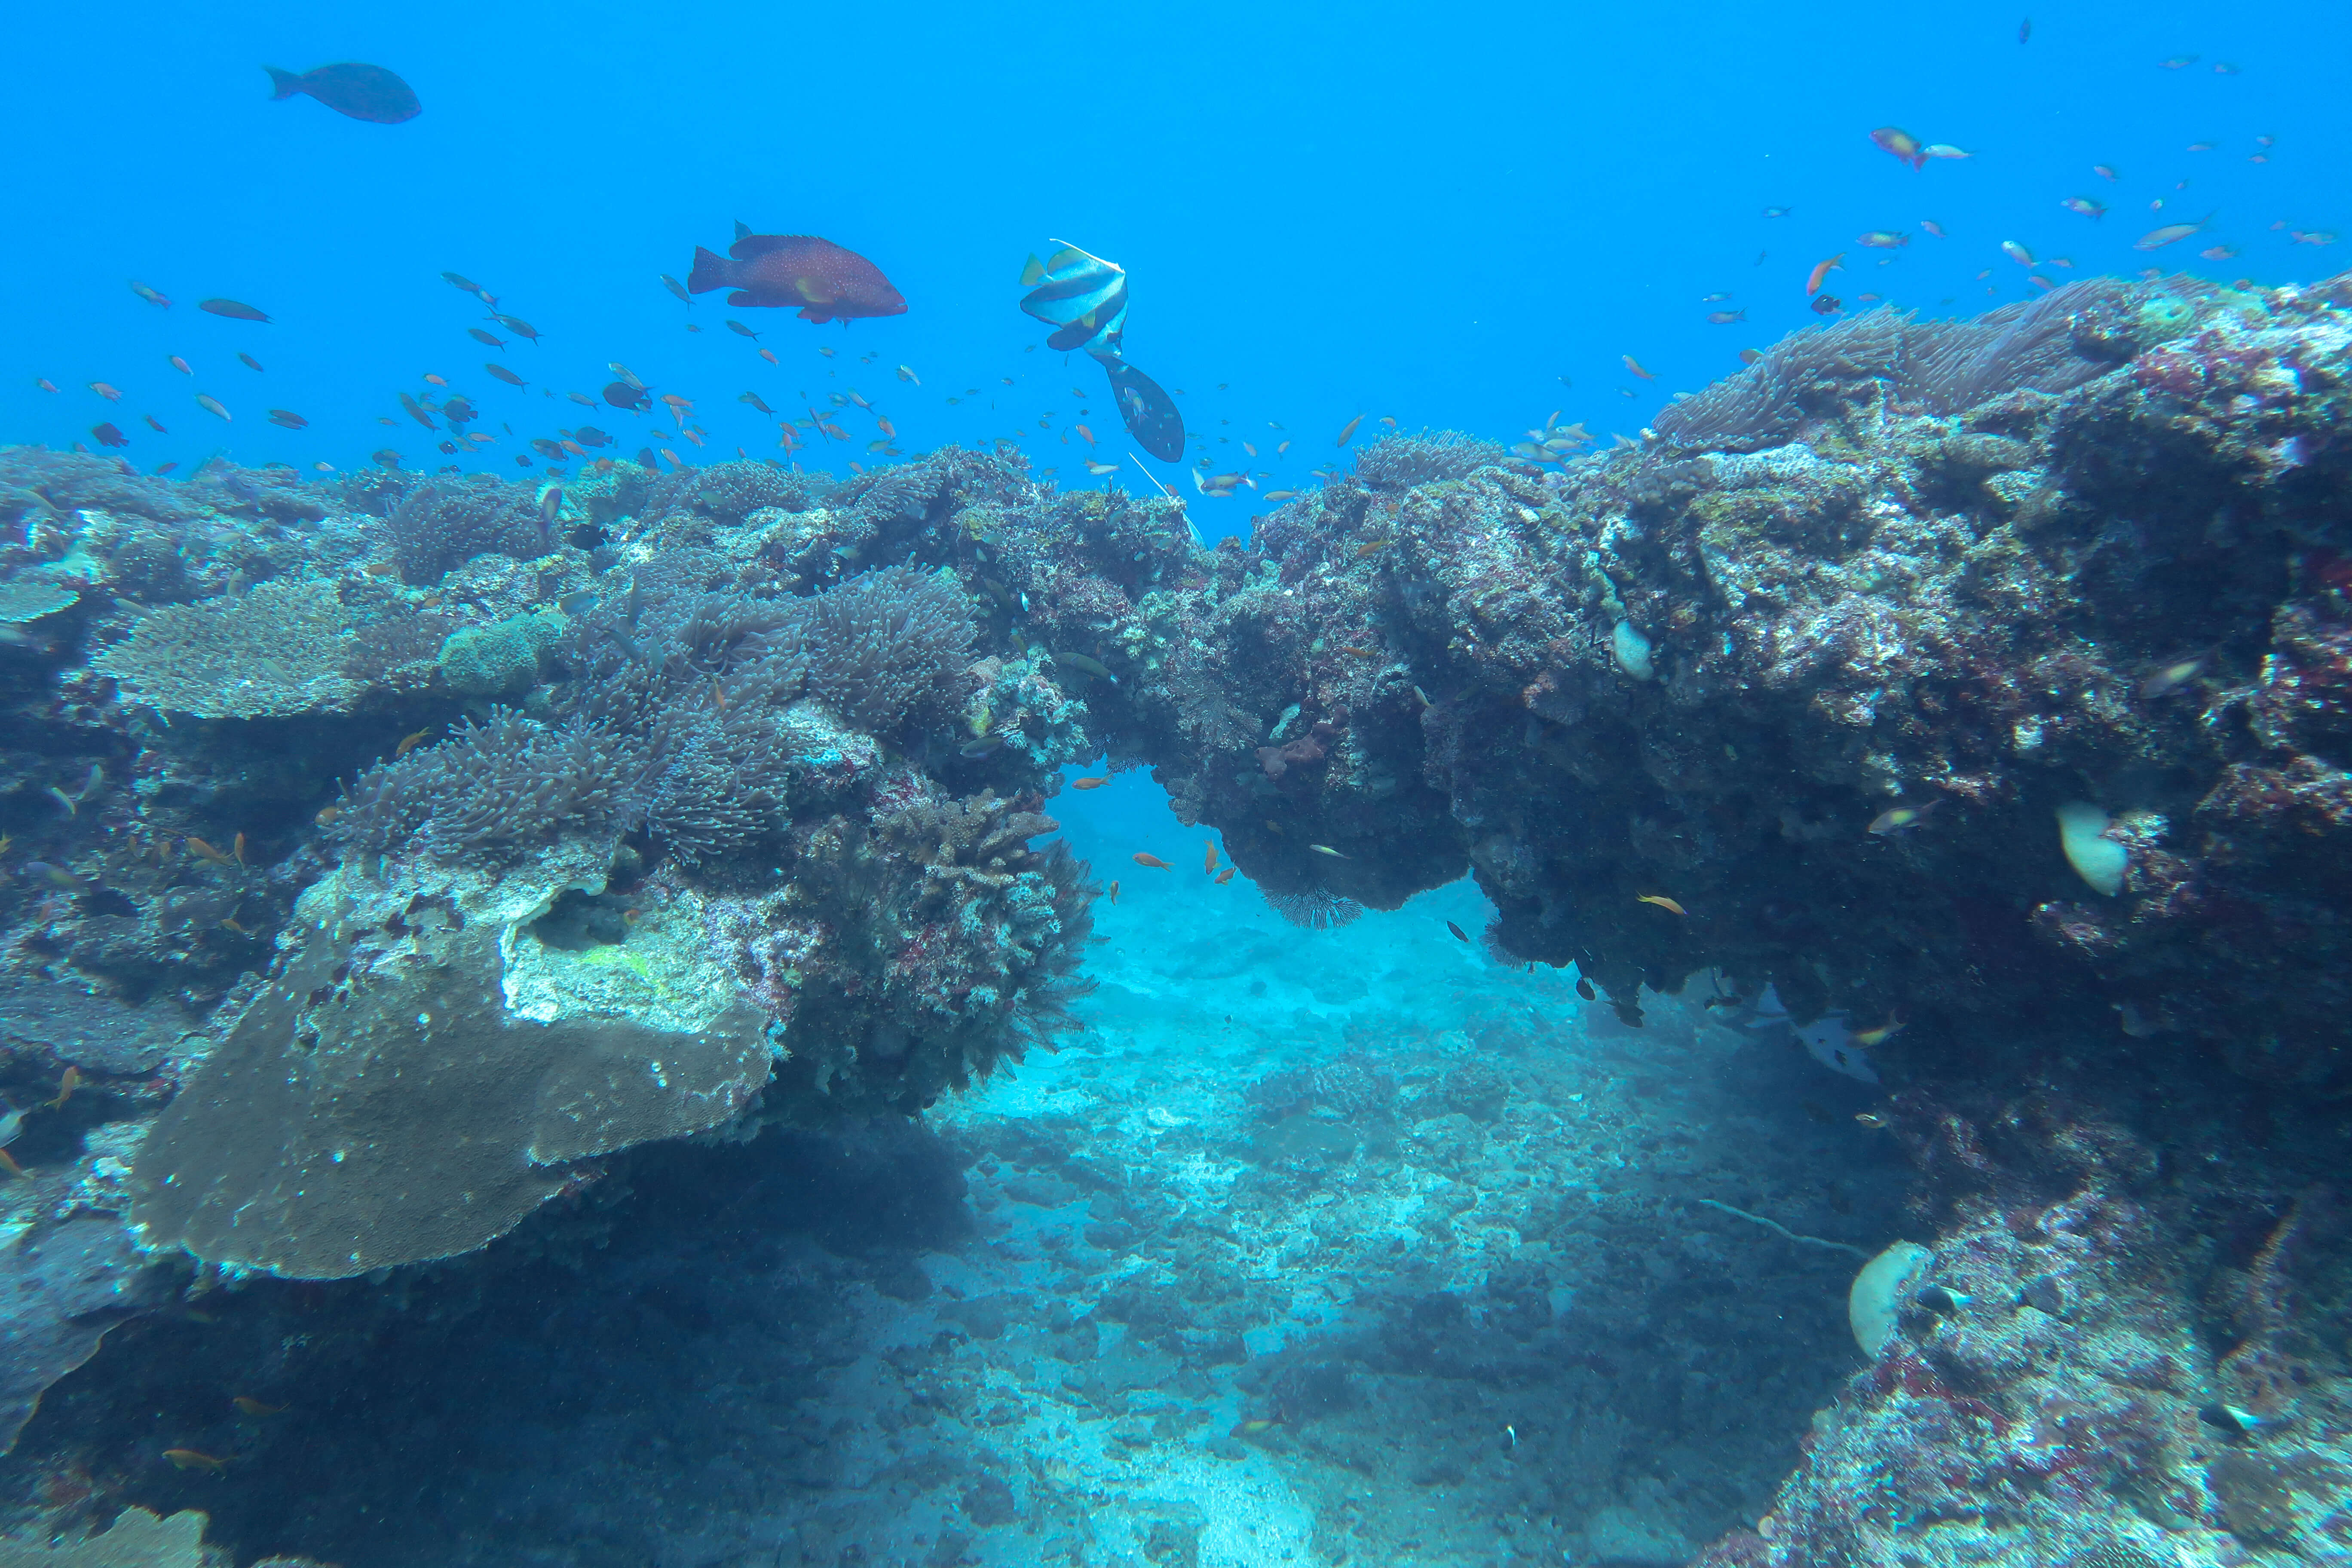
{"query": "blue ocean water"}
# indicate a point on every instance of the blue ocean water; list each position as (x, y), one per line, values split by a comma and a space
(1481, 221)
(1458, 223)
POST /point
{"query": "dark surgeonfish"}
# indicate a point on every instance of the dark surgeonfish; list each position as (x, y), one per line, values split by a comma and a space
(1083, 298)
(360, 91)
(1148, 412)
(819, 279)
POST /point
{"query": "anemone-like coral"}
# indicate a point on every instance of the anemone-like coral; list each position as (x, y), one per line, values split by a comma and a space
(2042, 345)
(440, 523)
(888, 646)
(734, 491)
(511, 783)
(2049, 344)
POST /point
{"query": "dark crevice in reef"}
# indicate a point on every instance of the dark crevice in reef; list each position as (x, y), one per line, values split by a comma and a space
(401, 1401)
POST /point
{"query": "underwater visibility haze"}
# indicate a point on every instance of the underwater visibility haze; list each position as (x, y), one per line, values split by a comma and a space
(1197, 786)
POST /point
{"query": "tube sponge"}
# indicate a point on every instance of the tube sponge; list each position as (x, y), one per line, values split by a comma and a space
(2099, 860)
(1876, 1301)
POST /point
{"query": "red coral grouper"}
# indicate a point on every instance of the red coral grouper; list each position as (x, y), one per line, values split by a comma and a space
(825, 281)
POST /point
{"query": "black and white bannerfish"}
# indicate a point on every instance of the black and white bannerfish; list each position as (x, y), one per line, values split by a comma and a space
(1083, 298)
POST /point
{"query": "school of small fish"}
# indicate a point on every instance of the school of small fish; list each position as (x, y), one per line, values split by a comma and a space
(1083, 298)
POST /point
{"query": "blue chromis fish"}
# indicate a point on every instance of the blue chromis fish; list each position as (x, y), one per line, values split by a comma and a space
(1082, 296)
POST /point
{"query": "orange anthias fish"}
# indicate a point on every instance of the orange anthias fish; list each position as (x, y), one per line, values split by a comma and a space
(196, 1459)
(65, 1086)
(1822, 270)
(1212, 866)
(784, 270)
(1224, 876)
(1153, 861)
(1895, 1024)
(1900, 144)
(1901, 818)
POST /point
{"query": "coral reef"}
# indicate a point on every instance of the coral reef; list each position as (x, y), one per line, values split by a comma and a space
(1966, 701)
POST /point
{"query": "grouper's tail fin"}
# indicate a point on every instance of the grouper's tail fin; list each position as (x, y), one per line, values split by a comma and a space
(286, 83)
(710, 270)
